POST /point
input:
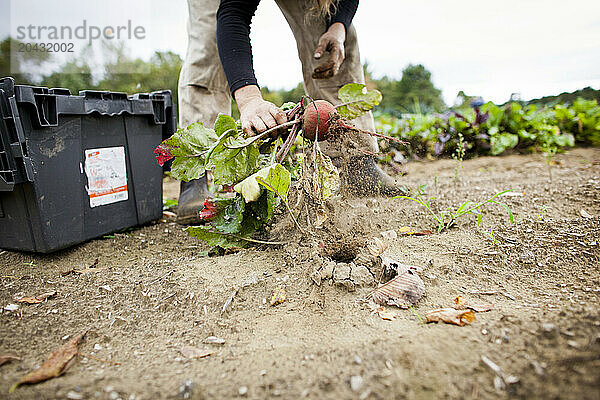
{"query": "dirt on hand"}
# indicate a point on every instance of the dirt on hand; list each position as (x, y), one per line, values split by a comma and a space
(153, 296)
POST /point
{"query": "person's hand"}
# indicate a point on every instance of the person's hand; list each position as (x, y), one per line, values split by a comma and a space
(333, 42)
(256, 114)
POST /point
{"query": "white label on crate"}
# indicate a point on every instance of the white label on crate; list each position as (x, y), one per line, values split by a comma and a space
(106, 174)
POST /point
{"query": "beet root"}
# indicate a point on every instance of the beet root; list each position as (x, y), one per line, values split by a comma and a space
(316, 119)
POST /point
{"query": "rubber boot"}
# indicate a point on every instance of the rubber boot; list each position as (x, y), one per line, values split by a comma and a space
(191, 200)
(363, 177)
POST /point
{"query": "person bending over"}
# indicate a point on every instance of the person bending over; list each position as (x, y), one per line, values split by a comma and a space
(219, 66)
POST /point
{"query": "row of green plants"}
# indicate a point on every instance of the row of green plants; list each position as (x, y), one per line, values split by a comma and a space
(493, 130)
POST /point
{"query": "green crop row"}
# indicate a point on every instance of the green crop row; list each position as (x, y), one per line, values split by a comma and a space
(493, 130)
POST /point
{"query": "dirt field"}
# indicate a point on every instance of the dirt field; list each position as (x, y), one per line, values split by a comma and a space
(154, 291)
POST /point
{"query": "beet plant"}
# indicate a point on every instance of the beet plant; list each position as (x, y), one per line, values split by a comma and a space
(254, 175)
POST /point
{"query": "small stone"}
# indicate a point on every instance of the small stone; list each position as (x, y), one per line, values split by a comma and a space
(113, 396)
(243, 390)
(185, 390)
(548, 327)
(262, 372)
(73, 395)
(97, 347)
(214, 340)
(585, 214)
(356, 382)
(11, 307)
(364, 394)
(357, 360)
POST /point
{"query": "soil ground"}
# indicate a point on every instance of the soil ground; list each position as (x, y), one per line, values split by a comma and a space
(153, 290)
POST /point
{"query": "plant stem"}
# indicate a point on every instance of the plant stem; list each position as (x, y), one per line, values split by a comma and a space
(287, 145)
(253, 139)
(253, 240)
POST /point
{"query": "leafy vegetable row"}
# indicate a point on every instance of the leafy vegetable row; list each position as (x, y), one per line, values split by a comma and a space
(493, 130)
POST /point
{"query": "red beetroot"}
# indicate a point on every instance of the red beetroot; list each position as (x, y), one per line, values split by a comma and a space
(317, 116)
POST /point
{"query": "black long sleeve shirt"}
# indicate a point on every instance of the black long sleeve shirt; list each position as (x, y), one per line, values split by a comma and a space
(233, 37)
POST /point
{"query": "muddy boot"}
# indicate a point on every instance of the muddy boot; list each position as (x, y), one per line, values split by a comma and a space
(191, 201)
(363, 177)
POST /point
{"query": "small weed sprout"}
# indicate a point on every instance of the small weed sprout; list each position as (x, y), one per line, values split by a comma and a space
(458, 156)
(448, 217)
(542, 213)
(549, 151)
(421, 320)
(492, 236)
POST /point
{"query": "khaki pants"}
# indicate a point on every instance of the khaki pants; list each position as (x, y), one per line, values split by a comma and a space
(203, 90)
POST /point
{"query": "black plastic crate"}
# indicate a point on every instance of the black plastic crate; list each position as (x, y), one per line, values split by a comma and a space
(73, 168)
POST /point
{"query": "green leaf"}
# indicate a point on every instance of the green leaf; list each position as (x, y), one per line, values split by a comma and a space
(213, 238)
(231, 214)
(503, 142)
(287, 106)
(511, 217)
(357, 100)
(188, 146)
(278, 181)
(224, 123)
(187, 169)
(250, 189)
(231, 166)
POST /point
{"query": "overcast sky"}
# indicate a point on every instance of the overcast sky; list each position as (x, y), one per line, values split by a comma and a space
(534, 47)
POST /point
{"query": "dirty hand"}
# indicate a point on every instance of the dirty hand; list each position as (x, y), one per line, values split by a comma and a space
(333, 42)
(256, 114)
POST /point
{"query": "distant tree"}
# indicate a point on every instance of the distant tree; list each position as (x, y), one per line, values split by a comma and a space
(74, 75)
(129, 75)
(294, 94)
(587, 93)
(416, 88)
(17, 64)
(275, 97)
(413, 93)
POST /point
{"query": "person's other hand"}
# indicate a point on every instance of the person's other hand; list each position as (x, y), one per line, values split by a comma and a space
(256, 114)
(333, 42)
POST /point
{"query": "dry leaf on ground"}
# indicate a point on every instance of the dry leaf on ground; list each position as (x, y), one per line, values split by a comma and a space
(381, 312)
(56, 363)
(91, 268)
(37, 299)
(385, 315)
(402, 291)
(6, 358)
(405, 230)
(278, 297)
(194, 352)
(450, 316)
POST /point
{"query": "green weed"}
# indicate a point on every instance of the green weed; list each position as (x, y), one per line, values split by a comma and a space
(448, 217)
